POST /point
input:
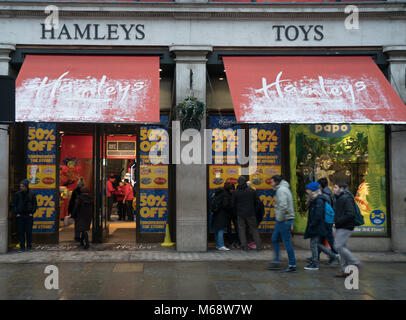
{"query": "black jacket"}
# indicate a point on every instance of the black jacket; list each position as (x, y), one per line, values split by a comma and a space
(25, 203)
(245, 201)
(75, 195)
(83, 212)
(344, 209)
(315, 221)
(222, 199)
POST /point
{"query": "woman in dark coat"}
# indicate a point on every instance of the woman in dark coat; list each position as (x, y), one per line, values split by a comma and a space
(221, 210)
(316, 227)
(83, 213)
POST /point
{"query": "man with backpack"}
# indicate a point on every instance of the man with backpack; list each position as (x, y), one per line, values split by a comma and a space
(316, 225)
(345, 220)
(327, 196)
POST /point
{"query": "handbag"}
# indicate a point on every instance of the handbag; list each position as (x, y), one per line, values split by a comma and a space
(68, 220)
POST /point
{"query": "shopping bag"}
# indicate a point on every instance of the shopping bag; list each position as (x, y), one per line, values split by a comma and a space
(68, 220)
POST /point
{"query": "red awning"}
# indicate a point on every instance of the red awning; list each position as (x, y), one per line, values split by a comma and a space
(113, 89)
(311, 90)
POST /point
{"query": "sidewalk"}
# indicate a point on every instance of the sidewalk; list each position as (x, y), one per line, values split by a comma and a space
(154, 252)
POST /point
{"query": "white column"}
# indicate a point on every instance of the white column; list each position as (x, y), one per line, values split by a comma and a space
(5, 50)
(397, 149)
(191, 188)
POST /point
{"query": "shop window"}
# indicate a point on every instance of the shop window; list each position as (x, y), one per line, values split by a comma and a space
(354, 154)
(154, 160)
(227, 145)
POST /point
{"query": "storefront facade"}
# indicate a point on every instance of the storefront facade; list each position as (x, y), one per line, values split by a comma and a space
(192, 43)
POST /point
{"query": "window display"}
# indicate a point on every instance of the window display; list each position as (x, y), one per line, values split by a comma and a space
(354, 154)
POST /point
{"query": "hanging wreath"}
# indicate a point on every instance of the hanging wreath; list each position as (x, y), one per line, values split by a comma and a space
(190, 112)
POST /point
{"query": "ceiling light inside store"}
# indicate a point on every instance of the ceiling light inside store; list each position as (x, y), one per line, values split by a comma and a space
(221, 79)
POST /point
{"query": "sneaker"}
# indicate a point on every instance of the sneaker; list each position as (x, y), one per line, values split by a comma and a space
(311, 266)
(289, 269)
(21, 250)
(333, 261)
(309, 260)
(273, 266)
(252, 245)
(342, 274)
(223, 248)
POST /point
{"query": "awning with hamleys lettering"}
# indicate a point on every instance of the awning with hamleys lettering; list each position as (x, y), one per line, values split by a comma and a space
(311, 89)
(97, 89)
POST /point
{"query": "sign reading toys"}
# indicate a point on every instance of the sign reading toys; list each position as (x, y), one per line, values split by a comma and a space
(41, 173)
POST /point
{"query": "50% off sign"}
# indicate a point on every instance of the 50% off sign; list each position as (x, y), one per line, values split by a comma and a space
(153, 206)
(46, 206)
(41, 139)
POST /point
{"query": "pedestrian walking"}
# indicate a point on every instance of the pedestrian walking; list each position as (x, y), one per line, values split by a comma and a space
(83, 213)
(316, 227)
(221, 208)
(327, 196)
(284, 216)
(259, 215)
(128, 200)
(110, 198)
(24, 207)
(232, 238)
(344, 222)
(244, 202)
(119, 193)
(74, 196)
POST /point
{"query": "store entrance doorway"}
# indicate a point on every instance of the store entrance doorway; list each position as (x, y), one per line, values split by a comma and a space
(104, 159)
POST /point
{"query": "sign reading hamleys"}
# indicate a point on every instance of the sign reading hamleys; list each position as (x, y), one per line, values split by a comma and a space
(311, 90)
(88, 89)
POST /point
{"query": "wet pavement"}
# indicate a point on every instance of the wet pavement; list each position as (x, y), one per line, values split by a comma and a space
(229, 280)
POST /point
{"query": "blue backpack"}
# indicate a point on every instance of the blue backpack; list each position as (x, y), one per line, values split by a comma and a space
(328, 213)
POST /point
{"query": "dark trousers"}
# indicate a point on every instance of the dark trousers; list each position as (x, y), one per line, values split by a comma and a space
(109, 207)
(120, 208)
(25, 230)
(251, 222)
(84, 239)
(232, 237)
(129, 210)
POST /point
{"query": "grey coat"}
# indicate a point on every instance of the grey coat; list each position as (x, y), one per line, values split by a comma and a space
(284, 209)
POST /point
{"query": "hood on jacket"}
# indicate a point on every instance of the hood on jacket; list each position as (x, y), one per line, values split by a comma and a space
(26, 183)
(283, 183)
(325, 197)
(327, 191)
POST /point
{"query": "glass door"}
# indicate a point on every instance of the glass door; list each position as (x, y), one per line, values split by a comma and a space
(100, 229)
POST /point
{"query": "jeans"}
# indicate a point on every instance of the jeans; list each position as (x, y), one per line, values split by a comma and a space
(219, 237)
(330, 239)
(314, 246)
(232, 237)
(25, 230)
(251, 222)
(346, 257)
(282, 229)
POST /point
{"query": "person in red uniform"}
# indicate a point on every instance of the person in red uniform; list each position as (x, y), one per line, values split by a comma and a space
(110, 200)
(128, 199)
(119, 192)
